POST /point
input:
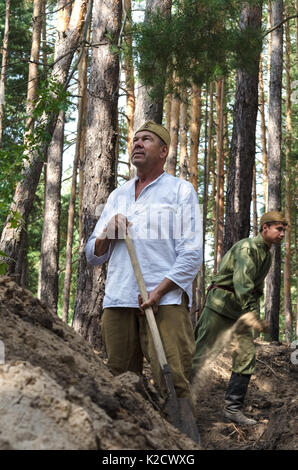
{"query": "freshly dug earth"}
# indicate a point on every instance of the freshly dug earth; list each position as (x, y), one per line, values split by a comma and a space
(57, 393)
(271, 400)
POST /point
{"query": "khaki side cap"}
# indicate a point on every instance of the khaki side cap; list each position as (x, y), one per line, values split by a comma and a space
(157, 129)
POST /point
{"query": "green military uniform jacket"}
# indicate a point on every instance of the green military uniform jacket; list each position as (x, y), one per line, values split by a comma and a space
(243, 268)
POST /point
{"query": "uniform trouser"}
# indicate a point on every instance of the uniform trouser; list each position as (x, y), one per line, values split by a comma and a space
(127, 339)
(210, 339)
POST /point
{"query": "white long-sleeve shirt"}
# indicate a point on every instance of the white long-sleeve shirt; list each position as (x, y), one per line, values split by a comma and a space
(167, 233)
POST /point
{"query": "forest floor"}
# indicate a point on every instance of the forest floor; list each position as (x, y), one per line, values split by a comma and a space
(271, 400)
(57, 393)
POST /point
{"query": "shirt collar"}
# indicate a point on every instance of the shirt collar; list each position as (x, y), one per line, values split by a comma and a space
(261, 242)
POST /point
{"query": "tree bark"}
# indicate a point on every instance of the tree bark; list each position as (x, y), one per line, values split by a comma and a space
(219, 220)
(254, 202)
(66, 44)
(171, 162)
(33, 65)
(49, 256)
(3, 67)
(242, 154)
(195, 127)
(183, 166)
(168, 104)
(263, 134)
(100, 162)
(288, 191)
(146, 107)
(82, 92)
(129, 81)
(272, 304)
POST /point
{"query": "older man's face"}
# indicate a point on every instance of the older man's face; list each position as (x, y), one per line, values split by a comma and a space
(147, 150)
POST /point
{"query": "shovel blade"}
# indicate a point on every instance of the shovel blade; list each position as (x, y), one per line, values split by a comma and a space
(188, 423)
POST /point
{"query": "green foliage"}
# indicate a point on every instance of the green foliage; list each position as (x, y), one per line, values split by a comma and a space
(201, 41)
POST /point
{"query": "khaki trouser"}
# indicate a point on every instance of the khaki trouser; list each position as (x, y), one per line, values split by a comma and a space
(207, 332)
(127, 339)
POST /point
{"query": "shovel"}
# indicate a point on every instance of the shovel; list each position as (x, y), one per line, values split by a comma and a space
(179, 409)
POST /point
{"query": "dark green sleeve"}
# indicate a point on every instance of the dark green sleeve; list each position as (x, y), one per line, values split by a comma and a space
(245, 271)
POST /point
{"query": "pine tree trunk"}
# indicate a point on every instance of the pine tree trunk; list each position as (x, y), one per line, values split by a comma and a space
(195, 126)
(254, 202)
(4, 65)
(272, 304)
(242, 155)
(82, 92)
(171, 161)
(269, 26)
(100, 163)
(30, 105)
(168, 104)
(49, 256)
(183, 167)
(12, 239)
(33, 65)
(219, 220)
(288, 191)
(146, 107)
(263, 133)
(129, 81)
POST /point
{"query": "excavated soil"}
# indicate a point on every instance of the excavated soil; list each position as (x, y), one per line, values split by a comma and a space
(57, 393)
(271, 400)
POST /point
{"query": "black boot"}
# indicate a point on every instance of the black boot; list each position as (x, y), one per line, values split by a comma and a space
(234, 399)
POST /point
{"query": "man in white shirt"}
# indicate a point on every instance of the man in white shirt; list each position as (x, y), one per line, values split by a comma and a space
(163, 216)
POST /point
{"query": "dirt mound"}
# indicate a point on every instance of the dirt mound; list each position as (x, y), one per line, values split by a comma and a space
(56, 392)
(271, 400)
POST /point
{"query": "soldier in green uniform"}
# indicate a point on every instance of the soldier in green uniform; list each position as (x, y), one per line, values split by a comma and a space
(234, 291)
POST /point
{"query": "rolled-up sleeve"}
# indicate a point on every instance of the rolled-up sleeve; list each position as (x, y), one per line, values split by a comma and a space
(188, 241)
(107, 214)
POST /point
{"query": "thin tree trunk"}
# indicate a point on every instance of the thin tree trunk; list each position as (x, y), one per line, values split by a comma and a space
(49, 256)
(272, 304)
(146, 107)
(66, 44)
(183, 167)
(100, 162)
(254, 202)
(211, 155)
(129, 81)
(242, 154)
(3, 67)
(263, 133)
(30, 105)
(168, 104)
(44, 34)
(288, 191)
(82, 92)
(195, 126)
(171, 162)
(33, 66)
(219, 224)
(269, 26)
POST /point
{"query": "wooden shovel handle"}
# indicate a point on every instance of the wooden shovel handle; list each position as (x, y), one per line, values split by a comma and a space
(148, 311)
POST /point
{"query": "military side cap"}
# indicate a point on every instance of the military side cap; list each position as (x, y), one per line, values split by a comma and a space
(156, 129)
(273, 216)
